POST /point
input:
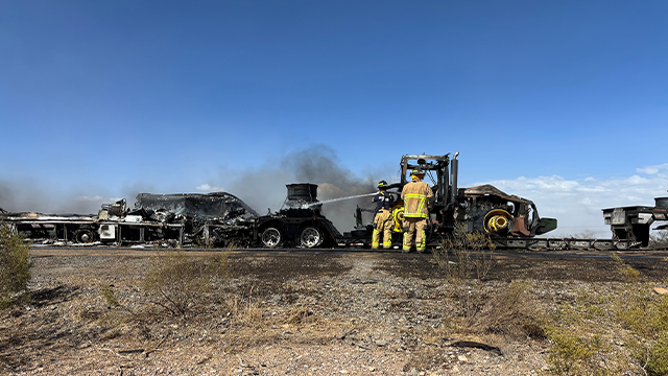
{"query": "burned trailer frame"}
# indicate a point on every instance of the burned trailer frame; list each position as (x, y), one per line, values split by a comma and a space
(52, 228)
(632, 223)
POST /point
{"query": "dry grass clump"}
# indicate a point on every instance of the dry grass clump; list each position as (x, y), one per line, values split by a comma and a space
(659, 240)
(581, 345)
(180, 284)
(645, 315)
(596, 334)
(465, 256)
(14, 264)
(510, 312)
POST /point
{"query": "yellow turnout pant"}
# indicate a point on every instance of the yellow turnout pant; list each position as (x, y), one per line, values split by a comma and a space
(414, 227)
(384, 223)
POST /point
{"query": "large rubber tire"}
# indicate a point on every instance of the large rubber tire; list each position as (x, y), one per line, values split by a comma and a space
(271, 237)
(311, 237)
(84, 236)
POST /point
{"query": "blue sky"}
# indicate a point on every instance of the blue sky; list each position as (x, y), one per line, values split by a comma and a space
(100, 100)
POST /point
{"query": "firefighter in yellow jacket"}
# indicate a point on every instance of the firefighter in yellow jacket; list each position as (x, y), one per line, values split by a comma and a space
(383, 221)
(416, 195)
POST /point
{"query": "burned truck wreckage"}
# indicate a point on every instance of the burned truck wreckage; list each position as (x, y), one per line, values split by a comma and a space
(221, 219)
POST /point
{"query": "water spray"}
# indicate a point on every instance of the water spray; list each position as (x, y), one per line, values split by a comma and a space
(306, 206)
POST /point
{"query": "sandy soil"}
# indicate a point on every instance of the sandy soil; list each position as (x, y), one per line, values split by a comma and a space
(304, 313)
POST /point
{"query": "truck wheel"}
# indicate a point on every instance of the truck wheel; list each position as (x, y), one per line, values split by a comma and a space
(271, 237)
(498, 222)
(84, 236)
(311, 237)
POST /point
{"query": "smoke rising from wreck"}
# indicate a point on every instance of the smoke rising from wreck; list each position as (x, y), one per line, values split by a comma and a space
(264, 189)
(31, 195)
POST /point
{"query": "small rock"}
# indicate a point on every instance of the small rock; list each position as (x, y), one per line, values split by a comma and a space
(372, 369)
(660, 290)
(462, 359)
(381, 343)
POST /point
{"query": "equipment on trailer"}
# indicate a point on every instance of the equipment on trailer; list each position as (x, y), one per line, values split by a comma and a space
(632, 223)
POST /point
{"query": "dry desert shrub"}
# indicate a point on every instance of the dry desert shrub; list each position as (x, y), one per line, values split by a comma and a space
(179, 283)
(659, 240)
(510, 312)
(611, 333)
(14, 264)
(465, 256)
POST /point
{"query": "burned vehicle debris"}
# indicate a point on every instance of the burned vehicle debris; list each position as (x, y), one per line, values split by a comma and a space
(221, 219)
(487, 209)
(299, 223)
(632, 223)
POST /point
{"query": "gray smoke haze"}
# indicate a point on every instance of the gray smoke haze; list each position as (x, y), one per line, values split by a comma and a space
(31, 195)
(261, 188)
(264, 188)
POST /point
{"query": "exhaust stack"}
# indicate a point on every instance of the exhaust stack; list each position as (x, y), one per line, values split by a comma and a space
(454, 170)
(301, 195)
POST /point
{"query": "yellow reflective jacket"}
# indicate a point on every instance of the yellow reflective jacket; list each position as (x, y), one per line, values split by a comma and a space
(416, 195)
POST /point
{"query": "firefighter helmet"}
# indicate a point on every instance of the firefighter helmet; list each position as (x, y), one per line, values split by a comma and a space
(382, 184)
(417, 173)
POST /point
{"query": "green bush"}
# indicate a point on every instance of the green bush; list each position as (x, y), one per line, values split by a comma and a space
(14, 263)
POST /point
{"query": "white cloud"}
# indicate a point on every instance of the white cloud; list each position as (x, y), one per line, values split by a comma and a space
(577, 204)
(208, 188)
(652, 169)
(89, 198)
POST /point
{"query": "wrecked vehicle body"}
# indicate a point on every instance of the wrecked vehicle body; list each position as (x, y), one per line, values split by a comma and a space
(632, 223)
(52, 228)
(214, 219)
(489, 210)
(299, 223)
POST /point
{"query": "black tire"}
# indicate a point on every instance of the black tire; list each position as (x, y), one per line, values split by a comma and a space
(311, 237)
(84, 236)
(271, 237)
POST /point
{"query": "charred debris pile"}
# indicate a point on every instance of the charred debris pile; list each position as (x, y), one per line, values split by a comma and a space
(197, 220)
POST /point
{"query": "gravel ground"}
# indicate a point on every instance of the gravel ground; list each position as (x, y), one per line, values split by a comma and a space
(285, 314)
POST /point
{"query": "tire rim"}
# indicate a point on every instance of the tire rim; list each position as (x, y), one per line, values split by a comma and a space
(271, 237)
(310, 237)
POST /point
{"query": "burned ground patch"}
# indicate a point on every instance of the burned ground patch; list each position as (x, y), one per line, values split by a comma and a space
(283, 267)
(598, 267)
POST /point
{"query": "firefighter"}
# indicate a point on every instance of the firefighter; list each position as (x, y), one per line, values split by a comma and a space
(416, 196)
(383, 221)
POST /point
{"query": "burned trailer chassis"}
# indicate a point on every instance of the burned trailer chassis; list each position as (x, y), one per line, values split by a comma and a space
(65, 232)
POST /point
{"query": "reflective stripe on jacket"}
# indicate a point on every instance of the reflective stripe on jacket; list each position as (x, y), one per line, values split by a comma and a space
(415, 195)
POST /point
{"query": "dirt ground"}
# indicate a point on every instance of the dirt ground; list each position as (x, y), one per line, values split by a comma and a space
(300, 313)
